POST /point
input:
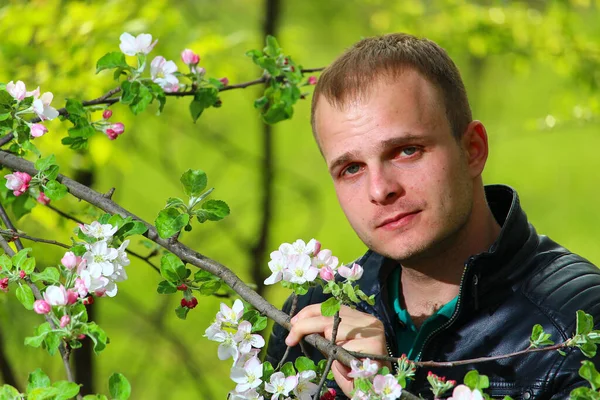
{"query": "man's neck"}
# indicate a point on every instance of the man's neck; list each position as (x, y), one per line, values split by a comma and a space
(429, 283)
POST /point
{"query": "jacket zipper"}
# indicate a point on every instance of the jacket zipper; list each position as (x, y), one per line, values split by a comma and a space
(456, 311)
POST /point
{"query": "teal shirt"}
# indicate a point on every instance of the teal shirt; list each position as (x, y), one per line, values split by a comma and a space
(410, 338)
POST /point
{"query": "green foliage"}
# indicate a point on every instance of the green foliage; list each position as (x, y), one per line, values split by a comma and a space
(586, 339)
(119, 387)
(475, 381)
(49, 275)
(330, 306)
(305, 364)
(172, 268)
(288, 369)
(25, 296)
(267, 371)
(111, 60)
(204, 98)
(194, 182)
(97, 335)
(170, 221)
(539, 337)
(259, 322)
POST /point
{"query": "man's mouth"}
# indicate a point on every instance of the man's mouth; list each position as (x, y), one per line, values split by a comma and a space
(397, 220)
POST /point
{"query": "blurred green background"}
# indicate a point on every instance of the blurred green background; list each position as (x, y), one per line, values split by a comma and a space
(532, 70)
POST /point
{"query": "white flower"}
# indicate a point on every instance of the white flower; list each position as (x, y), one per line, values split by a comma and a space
(213, 330)
(122, 258)
(99, 285)
(247, 395)
(98, 230)
(56, 295)
(162, 73)
(325, 259)
(140, 44)
(387, 387)
(299, 269)
(306, 389)
(360, 395)
(351, 274)
(228, 347)
(42, 107)
(276, 265)
(19, 92)
(280, 385)
(231, 315)
(363, 370)
(99, 258)
(246, 339)
(299, 247)
(462, 392)
(248, 377)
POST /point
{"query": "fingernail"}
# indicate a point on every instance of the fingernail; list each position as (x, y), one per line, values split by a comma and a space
(294, 319)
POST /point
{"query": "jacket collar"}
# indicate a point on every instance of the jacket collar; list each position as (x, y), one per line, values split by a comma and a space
(514, 244)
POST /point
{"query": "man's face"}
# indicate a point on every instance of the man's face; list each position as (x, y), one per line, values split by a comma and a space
(400, 176)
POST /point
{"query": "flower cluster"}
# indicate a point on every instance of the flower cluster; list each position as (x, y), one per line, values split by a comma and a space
(439, 384)
(39, 105)
(369, 385)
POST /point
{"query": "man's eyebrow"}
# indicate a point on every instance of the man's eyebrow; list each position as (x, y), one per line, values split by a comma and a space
(383, 145)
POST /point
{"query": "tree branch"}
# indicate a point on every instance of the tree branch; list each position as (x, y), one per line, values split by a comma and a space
(336, 325)
(11, 234)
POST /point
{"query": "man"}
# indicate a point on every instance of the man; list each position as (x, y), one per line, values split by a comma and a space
(456, 269)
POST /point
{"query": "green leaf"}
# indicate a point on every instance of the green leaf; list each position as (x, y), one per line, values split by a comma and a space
(8, 392)
(349, 290)
(141, 102)
(330, 307)
(272, 49)
(52, 341)
(49, 275)
(76, 143)
(213, 210)
(305, 364)
(165, 287)
(75, 107)
(209, 288)
(203, 276)
(194, 182)
(288, 369)
(115, 59)
(29, 146)
(66, 390)
(20, 257)
(28, 265)
(585, 323)
(40, 334)
(119, 387)
(129, 91)
(23, 205)
(98, 336)
(475, 381)
(5, 262)
(37, 379)
(45, 162)
(95, 397)
(55, 190)
(267, 371)
(589, 373)
(203, 98)
(172, 268)
(170, 221)
(25, 296)
(182, 312)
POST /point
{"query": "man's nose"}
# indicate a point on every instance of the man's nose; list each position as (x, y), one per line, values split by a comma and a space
(384, 186)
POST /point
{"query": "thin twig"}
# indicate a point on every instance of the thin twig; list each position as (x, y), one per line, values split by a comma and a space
(336, 324)
(10, 234)
(292, 312)
(9, 225)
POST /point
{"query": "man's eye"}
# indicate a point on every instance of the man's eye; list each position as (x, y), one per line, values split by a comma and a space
(352, 169)
(409, 151)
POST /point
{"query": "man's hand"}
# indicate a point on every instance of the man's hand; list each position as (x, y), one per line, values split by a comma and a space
(357, 332)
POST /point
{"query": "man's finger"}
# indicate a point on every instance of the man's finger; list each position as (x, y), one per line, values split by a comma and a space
(340, 373)
(306, 326)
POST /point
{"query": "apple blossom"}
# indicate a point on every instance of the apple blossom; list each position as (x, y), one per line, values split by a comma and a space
(64, 321)
(249, 376)
(162, 73)
(247, 339)
(360, 395)
(212, 330)
(325, 259)
(22, 274)
(98, 230)
(327, 274)
(81, 288)
(18, 182)
(305, 390)
(351, 274)
(131, 46)
(363, 369)
(71, 297)
(224, 81)
(228, 347)
(280, 385)
(4, 284)
(43, 199)
(276, 265)
(462, 392)
(99, 285)
(106, 114)
(41, 307)
(189, 57)
(56, 295)
(99, 258)
(387, 387)
(16, 90)
(312, 80)
(299, 269)
(251, 394)
(70, 260)
(199, 71)
(42, 107)
(38, 130)
(231, 315)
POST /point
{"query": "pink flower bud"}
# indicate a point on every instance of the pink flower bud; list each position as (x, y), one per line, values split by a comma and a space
(107, 114)
(328, 395)
(64, 321)
(200, 71)
(88, 300)
(118, 128)
(43, 199)
(72, 297)
(81, 336)
(184, 302)
(18, 182)
(192, 303)
(327, 274)
(189, 57)
(182, 287)
(312, 80)
(41, 307)
(4, 284)
(69, 260)
(38, 130)
(351, 274)
(22, 274)
(224, 81)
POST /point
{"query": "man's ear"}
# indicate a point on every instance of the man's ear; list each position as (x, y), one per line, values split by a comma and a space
(475, 146)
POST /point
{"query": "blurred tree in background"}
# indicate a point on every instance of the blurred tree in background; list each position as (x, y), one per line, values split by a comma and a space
(532, 69)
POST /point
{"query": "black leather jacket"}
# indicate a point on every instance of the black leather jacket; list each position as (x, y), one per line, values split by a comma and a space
(524, 279)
